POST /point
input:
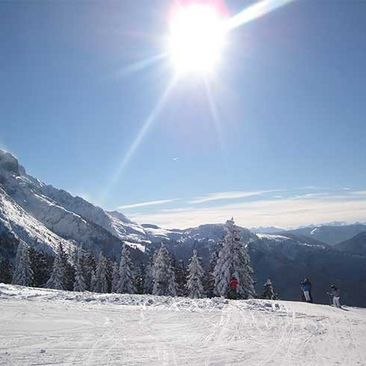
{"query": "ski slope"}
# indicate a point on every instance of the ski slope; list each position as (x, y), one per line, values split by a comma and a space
(48, 327)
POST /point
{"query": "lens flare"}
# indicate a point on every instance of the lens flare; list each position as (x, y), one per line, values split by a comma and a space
(255, 11)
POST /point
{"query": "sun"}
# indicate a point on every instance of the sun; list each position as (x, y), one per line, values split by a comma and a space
(196, 38)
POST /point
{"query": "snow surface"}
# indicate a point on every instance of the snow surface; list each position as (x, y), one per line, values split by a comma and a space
(273, 237)
(43, 327)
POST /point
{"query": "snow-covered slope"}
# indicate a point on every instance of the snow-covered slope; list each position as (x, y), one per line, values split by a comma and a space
(41, 214)
(46, 327)
(16, 222)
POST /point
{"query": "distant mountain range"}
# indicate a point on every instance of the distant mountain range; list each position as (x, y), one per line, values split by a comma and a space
(43, 216)
(330, 234)
(355, 245)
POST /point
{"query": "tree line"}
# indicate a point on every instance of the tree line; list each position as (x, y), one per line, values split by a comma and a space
(163, 275)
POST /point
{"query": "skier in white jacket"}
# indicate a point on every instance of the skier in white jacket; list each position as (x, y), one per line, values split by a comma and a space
(336, 293)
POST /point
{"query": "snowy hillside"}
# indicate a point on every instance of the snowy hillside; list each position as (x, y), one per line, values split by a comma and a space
(46, 327)
(42, 215)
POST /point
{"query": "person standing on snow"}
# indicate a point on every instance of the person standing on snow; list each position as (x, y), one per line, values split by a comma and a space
(268, 292)
(336, 294)
(306, 289)
(233, 288)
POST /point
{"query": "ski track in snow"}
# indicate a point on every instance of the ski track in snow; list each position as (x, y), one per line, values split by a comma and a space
(47, 327)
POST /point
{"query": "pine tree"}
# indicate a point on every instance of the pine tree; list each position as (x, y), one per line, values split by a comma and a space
(101, 284)
(93, 281)
(88, 268)
(109, 272)
(23, 274)
(233, 261)
(195, 276)
(126, 276)
(5, 271)
(41, 267)
(115, 277)
(69, 277)
(139, 278)
(209, 277)
(79, 284)
(57, 279)
(163, 274)
(181, 274)
(148, 279)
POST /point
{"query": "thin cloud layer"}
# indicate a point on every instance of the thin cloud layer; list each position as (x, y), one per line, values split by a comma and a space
(284, 212)
(219, 196)
(144, 204)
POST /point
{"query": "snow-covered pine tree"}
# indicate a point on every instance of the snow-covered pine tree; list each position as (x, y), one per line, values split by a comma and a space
(139, 278)
(18, 256)
(209, 278)
(41, 266)
(23, 274)
(88, 267)
(109, 274)
(233, 261)
(194, 278)
(79, 284)
(115, 277)
(148, 279)
(126, 283)
(69, 278)
(57, 278)
(101, 284)
(5, 271)
(163, 274)
(181, 274)
(93, 281)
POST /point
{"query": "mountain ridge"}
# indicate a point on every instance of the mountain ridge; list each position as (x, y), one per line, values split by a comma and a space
(42, 216)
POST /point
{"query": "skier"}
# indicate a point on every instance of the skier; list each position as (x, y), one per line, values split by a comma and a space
(268, 292)
(336, 294)
(306, 289)
(233, 287)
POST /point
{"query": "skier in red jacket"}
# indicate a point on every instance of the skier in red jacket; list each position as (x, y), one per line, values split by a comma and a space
(233, 288)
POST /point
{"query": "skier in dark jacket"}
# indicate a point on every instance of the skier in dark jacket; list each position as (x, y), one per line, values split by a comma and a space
(268, 292)
(233, 288)
(306, 289)
(336, 295)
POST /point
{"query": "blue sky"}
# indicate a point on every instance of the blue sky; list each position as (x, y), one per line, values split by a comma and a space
(289, 145)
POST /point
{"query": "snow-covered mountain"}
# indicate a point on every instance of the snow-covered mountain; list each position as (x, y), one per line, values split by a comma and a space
(355, 245)
(330, 233)
(266, 230)
(43, 216)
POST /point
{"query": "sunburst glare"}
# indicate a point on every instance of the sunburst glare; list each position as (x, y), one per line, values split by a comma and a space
(196, 38)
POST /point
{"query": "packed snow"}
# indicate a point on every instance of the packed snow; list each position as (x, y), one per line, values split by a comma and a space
(43, 327)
